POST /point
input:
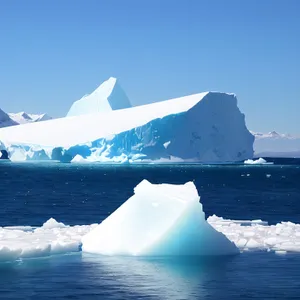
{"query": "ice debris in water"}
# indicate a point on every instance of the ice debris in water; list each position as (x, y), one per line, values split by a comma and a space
(173, 224)
(158, 220)
(259, 161)
(30, 242)
(257, 235)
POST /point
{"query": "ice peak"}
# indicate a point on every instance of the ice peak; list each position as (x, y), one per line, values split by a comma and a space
(107, 97)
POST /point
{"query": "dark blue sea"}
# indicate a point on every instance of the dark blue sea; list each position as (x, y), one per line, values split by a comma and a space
(31, 193)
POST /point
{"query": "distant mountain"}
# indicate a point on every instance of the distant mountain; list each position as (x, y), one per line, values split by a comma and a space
(5, 120)
(12, 119)
(271, 135)
(274, 144)
(24, 118)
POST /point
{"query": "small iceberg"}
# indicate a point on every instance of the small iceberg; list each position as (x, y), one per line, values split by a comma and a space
(259, 161)
(158, 220)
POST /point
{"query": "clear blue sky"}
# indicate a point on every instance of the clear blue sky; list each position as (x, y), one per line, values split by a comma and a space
(53, 52)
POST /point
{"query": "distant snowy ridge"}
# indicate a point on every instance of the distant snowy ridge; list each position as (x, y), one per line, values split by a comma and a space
(11, 119)
(272, 135)
(206, 127)
(24, 118)
(5, 120)
(274, 144)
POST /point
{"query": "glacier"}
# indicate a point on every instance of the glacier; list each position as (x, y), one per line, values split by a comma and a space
(107, 97)
(219, 235)
(205, 128)
(158, 220)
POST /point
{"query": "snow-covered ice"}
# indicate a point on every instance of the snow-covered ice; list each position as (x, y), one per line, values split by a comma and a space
(158, 220)
(206, 127)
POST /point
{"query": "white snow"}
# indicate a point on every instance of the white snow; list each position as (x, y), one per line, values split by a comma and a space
(158, 220)
(107, 97)
(206, 127)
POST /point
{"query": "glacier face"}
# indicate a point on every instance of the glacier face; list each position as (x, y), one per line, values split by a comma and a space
(107, 97)
(206, 128)
(158, 220)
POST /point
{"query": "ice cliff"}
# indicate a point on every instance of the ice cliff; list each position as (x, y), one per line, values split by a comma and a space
(206, 128)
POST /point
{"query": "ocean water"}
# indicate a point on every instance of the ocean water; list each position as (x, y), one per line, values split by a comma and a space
(31, 193)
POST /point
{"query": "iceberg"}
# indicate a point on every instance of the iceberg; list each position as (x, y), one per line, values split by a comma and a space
(259, 161)
(158, 220)
(107, 97)
(204, 128)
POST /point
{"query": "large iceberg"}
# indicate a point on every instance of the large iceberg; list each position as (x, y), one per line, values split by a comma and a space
(158, 220)
(206, 128)
(107, 97)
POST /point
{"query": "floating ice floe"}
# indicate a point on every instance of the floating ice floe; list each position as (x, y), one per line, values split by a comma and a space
(259, 161)
(257, 235)
(158, 220)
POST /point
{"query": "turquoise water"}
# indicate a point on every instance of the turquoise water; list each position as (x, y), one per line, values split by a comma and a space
(74, 194)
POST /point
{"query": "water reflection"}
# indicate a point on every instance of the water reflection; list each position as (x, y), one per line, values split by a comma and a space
(165, 278)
